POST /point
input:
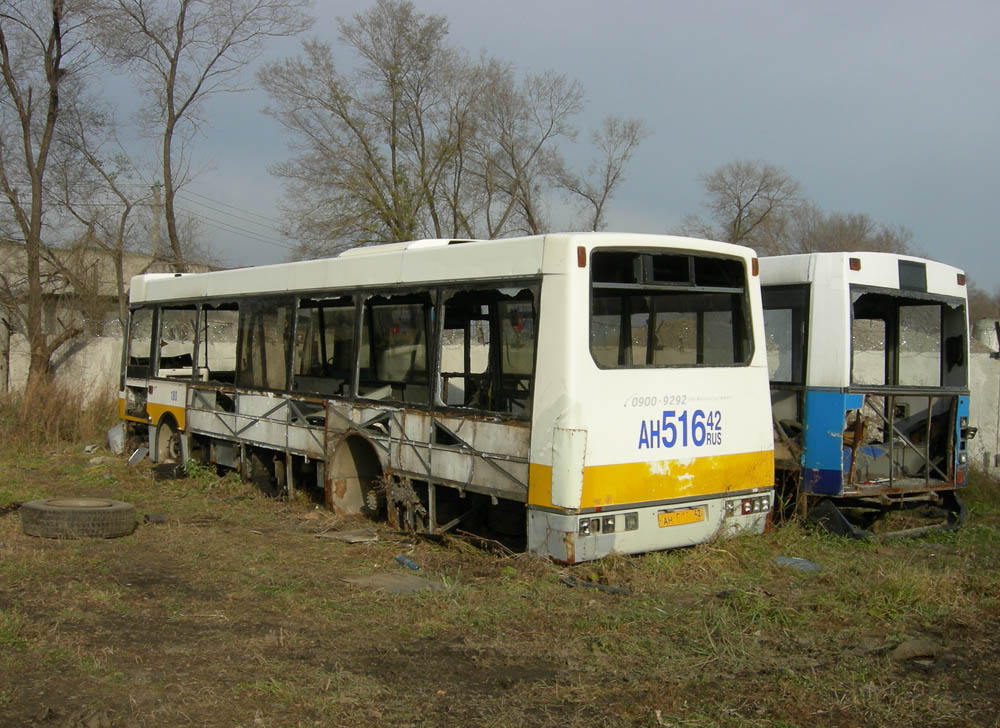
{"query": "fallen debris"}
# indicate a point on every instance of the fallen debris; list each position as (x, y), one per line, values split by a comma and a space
(116, 439)
(395, 582)
(138, 456)
(407, 562)
(797, 563)
(914, 650)
(361, 535)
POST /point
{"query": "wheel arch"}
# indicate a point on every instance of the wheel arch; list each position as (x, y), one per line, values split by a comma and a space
(353, 465)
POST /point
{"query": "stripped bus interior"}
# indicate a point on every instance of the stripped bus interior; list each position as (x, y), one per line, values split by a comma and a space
(371, 346)
(895, 434)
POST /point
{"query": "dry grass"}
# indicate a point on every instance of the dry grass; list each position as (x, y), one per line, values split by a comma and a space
(56, 415)
(234, 613)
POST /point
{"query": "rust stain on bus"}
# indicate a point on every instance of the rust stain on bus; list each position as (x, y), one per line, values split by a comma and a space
(569, 545)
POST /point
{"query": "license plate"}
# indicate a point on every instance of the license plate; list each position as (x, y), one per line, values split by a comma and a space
(679, 518)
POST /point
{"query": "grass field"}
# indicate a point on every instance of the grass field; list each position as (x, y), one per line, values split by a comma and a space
(237, 610)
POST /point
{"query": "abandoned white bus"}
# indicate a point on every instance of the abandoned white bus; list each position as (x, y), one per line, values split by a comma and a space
(869, 376)
(584, 393)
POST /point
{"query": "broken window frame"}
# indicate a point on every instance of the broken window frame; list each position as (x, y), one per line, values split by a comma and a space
(501, 389)
(255, 367)
(141, 366)
(680, 278)
(376, 380)
(953, 326)
(795, 300)
(204, 358)
(337, 376)
(176, 365)
(899, 428)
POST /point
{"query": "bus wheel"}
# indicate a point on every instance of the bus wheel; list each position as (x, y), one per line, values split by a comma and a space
(168, 443)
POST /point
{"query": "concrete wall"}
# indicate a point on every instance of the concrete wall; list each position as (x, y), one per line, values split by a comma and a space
(91, 367)
(984, 381)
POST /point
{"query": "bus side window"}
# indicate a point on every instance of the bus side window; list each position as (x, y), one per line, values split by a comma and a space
(465, 351)
(487, 350)
(517, 338)
(265, 335)
(217, 329)
(785, 317)
(176, 341)
(393, 356)
(140, 334)
(324, 346)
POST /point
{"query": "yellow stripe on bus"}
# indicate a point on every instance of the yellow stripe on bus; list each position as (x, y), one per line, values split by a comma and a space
(608, 485)
(156, 411)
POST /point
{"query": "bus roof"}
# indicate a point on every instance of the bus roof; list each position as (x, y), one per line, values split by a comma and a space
(414, 262)
(881, 270)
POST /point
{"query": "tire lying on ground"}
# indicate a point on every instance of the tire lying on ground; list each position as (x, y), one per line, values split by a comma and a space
(77, 518)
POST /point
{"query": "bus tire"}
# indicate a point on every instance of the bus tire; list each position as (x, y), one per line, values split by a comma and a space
(77, 518)
(168, 442)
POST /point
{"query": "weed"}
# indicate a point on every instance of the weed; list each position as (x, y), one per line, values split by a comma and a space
(55, 415)
(11, 626)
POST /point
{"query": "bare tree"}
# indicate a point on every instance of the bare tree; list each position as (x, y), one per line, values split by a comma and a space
(982, 303)
(417, 139)
(97, 185)
(748, 203)
(182, 53)
(371, 149)
(42, 54)
(812, 230)
(616, 142)
(515, 153)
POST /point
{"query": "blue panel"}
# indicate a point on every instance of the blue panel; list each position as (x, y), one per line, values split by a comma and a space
(823, 459)
(963, 411)
(854, 401)
(823, 482)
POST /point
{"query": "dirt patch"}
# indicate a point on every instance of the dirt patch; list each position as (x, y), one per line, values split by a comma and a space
(232, 612)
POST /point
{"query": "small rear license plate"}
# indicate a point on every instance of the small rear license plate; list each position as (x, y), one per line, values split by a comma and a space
(679, 518)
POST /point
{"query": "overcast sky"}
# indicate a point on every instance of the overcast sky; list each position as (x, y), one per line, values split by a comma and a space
(885, 108)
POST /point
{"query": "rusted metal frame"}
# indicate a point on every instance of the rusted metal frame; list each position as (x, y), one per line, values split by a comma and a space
(859, 428)
(209, 406)
(358, 427)
(488, 457)
(927, 439)
(256, 418)
(906, 441)
(293, 405)
(952, 443)
(218, 415)
(404, 440)
(455, 521)
(891, 406)
(201, 394)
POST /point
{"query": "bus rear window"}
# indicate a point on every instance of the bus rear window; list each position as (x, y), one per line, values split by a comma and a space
(651, 309)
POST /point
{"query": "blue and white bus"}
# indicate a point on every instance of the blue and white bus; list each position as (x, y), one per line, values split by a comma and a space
(868, 359)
